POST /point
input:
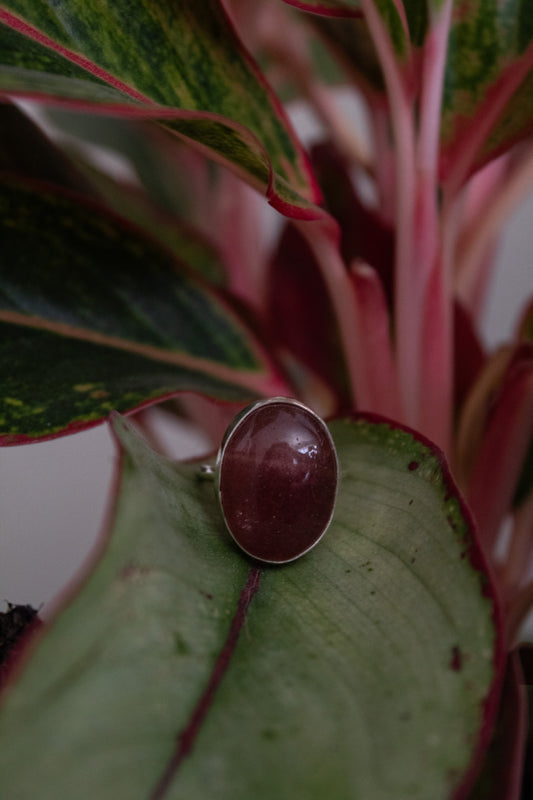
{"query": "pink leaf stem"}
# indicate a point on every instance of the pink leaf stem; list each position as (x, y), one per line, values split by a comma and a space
(341, 129)
(407, 320)
(501, 456)
(497, 192)
(323, 238)
(433, 69)
(377, 388)
(474, 256)
(477, 405)
(436, 356)
(432, 256)
(384, 166)
(327, 11)
(236, 218)
(427, 149)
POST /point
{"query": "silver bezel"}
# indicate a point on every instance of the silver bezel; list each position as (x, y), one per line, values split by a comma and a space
(230, 431)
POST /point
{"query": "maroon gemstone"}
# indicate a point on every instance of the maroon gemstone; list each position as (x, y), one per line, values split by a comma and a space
(278, 477)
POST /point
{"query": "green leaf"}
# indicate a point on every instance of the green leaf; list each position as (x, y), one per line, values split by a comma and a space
(179, 62)
(27, 153)
(186, 242)
(488, 98)
(53, 384)
(87, 300)
(352, 8)
(351, 40)
(362, 670)
(416, 12)
(156, 157)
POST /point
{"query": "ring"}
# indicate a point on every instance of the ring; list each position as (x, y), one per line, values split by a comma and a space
(276, 478)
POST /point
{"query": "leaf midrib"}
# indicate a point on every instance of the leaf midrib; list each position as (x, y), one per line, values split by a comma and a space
(186, 739)
(249, 380)
(87, 64)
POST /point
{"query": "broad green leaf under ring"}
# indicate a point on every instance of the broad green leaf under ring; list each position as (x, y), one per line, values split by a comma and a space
(364, 670)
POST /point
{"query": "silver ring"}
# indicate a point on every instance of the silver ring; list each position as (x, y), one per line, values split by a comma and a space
(276, 478)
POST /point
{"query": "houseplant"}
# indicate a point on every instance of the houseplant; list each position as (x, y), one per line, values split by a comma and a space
(384, 664)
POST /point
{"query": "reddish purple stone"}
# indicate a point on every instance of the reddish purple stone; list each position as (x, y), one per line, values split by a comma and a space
(278, 481)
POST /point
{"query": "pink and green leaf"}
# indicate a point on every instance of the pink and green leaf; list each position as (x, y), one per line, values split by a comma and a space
(54, 385)
(88, 301)
(81, 53)
(178, 669)
(351, 44)
(377, 386)
(350, 39)
(184, 240)
(157, 207)
(165, 167)
(488, 102)
(406, 22)
(27, 152)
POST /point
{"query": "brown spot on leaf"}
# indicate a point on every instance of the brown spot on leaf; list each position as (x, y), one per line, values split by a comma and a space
(456, 661)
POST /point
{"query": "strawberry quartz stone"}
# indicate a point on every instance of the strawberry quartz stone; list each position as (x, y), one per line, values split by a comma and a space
(278, 475)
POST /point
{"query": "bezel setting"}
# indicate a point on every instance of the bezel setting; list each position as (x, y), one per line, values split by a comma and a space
(303, 481)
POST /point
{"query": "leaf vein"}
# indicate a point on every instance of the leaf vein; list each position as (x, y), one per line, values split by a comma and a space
(187, 737)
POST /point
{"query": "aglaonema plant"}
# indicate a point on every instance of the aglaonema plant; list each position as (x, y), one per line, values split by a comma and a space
(385, 663)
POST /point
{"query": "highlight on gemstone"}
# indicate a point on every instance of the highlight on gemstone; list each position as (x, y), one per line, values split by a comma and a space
(277, 480)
